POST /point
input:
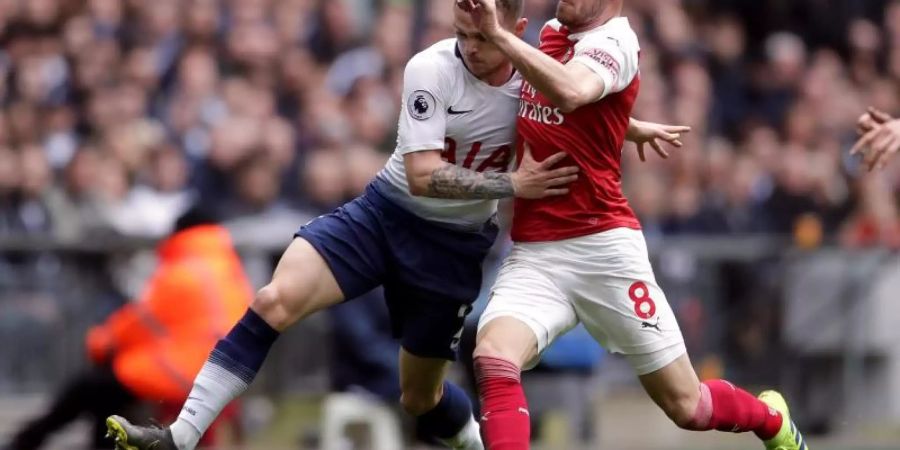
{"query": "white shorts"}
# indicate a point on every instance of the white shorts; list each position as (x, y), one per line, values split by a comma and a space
(603, 280)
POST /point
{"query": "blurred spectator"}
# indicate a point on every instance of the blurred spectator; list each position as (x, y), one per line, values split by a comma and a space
(150, 350)
(134, 103)
(257, 214)
(10, 179)
(36, 180)
(323, 180)
(365, 357)
(73, 204)
(876, 223)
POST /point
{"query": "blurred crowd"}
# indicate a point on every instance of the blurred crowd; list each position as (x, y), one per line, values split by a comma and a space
(116, 113)
(773, 91)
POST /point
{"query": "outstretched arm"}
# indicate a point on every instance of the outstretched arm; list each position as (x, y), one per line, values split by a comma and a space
(871, 119)
(880, 139)
(642, 133)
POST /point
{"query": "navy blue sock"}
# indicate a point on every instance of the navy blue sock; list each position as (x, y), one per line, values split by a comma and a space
(450, 415)
(228, 372)
(244, 349)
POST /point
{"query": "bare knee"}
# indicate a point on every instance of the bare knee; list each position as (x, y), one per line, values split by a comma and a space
(418, 401)
(506, 339)
(491, 347)
(677, 391)
(275, 308)
(681, 407)
(494, 360)
(302, 284)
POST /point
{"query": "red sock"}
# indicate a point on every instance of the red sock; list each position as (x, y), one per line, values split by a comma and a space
(725, 407)
(504, 410)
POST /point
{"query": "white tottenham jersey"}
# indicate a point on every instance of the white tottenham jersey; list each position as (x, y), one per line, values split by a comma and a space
(446, 108)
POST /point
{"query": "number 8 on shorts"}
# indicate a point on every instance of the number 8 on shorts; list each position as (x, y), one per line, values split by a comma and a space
(644, 306)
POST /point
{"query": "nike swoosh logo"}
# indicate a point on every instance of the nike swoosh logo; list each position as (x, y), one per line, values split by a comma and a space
(454, 113)
(195, 398)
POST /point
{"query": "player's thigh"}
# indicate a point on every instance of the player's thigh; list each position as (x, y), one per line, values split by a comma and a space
(675, 388)
(336, 256)
(301, 285)
(421, 382)
(428, 326)
(632, 316)
(507, 338)
(525, 314)
(434, 276)
(619, 302)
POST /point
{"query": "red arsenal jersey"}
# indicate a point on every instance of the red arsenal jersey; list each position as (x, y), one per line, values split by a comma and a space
(592, 135)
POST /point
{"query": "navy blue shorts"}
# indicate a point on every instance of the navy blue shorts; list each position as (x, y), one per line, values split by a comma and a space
(431, 274)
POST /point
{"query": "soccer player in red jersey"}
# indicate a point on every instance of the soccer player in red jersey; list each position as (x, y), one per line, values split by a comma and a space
(582, 257)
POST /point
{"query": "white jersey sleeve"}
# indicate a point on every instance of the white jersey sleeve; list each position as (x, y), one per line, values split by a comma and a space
(612, 52)
(423, 120)
(444, 107)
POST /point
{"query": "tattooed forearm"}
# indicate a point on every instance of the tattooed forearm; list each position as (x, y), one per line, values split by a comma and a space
(461, 183)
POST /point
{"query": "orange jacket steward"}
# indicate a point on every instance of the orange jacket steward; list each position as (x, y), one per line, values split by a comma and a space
(159, 343)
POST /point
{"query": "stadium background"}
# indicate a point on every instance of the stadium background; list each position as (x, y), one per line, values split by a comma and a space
(777, 251)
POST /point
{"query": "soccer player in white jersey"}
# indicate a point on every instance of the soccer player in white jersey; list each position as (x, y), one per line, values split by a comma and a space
(421, 230)
(582, 257)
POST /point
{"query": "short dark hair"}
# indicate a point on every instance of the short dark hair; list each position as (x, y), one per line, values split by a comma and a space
(511, 9)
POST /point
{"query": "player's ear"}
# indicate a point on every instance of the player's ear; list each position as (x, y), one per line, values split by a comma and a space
(521, 26)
